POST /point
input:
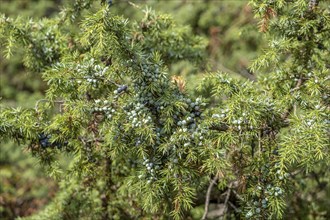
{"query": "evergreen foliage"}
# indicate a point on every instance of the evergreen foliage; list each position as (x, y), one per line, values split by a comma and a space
(143, 147)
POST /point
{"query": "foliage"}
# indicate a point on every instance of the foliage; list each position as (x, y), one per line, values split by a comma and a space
(24, 187)
(143, 147)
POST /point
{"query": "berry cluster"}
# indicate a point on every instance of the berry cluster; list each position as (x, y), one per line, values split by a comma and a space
(258, 205)
(257, 208)
(222, 115)
(173, 162)
(151, 170)
(194, 107)
(150, 76)
(237, 123)
(103, 107)
(91, 72)
(265, 190)
(151, 73)
(138, 115)
(146, 107)
(189, 133)
(278, 173)
(44, 141)
(281, 176)
(195, 133)
(271, 190)
(46, 47)
(120, 89)
(189, 123)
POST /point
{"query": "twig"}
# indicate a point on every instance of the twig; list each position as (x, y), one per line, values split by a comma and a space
(134, 5)
(233, 206)
(227, 197)
(208, 193)
(298, 85)
(238, 196)
(248, 75)
(46, 100)
(219, 127)
(243, 73)
(293, 174)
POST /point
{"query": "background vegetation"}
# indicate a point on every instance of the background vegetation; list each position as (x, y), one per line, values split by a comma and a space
(228, 39)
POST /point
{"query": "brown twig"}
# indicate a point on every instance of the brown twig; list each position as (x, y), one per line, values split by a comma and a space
(219, 127)
(227, 197)
(208, 193)
(237, 195)
(233, 206)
